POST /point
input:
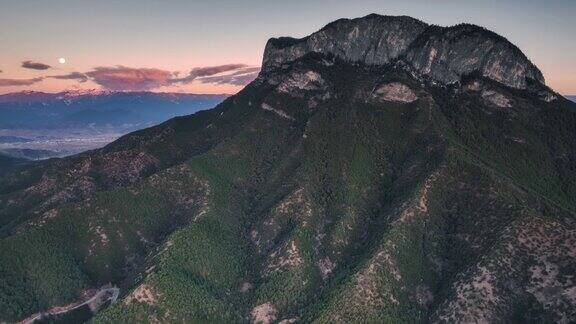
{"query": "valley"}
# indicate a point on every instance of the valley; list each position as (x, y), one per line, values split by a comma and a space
(41, 144)
(38, 126)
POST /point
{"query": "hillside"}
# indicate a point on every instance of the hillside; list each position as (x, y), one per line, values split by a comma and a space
(7, 163)
(336, 187)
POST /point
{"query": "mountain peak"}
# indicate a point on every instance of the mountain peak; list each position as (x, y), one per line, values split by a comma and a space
(443, 53)
(375, 18)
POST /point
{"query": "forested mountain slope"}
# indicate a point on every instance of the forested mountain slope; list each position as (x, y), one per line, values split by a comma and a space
(333, 188)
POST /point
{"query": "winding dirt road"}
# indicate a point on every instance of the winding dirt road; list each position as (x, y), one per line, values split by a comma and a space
(95, 304)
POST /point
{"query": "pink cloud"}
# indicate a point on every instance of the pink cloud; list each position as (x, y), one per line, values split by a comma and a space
(18, 82)
(207, 71)
(238, 78)
(81, 77)
(35, 65)
(121, 78)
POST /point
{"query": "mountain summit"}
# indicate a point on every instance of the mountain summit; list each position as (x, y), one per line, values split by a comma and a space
(443, 53)
(378, 170)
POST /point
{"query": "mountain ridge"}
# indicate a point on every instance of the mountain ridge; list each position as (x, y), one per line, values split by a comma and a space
(81, 108)
(28, 96)
(429, 49)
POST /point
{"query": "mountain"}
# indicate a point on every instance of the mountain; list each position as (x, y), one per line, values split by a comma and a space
(379, 170)
(31, 110)
(573, 98)
(29, 154)
(443, 54)
(8, 163)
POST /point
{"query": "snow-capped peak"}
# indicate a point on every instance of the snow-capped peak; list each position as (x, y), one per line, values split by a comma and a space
(83, 92)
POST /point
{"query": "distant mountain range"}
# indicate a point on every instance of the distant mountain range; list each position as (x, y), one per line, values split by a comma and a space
(38, 125)
(67, 109)
(573, 98)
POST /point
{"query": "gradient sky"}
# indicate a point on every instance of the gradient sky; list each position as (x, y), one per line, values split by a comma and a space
(163, 37)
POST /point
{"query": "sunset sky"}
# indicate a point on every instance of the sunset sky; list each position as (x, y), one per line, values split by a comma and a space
(216, 46)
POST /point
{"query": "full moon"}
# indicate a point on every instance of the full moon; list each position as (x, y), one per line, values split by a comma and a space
(61, 60)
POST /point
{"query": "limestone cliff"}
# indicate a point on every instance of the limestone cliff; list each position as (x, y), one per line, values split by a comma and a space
(444, 54)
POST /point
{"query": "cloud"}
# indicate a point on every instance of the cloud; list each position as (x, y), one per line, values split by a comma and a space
(239, 78)
(81, 77)
(18, 82)
(121, 78)
(35, 65)
(207, 71)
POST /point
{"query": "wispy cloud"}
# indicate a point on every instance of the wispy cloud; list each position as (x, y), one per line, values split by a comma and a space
(81, 77)
(122, 78)
(19, 82)
(239, 78)
(207, 71)
(35, 65)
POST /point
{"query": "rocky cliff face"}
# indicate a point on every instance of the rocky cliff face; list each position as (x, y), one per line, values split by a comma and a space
(372, 40)
(443, 53)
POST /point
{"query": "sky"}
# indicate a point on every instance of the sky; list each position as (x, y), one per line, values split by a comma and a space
(216, 46)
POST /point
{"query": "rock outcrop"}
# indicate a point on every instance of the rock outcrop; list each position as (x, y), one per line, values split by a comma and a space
(373, 40)
(445, 54)
(394, 91)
